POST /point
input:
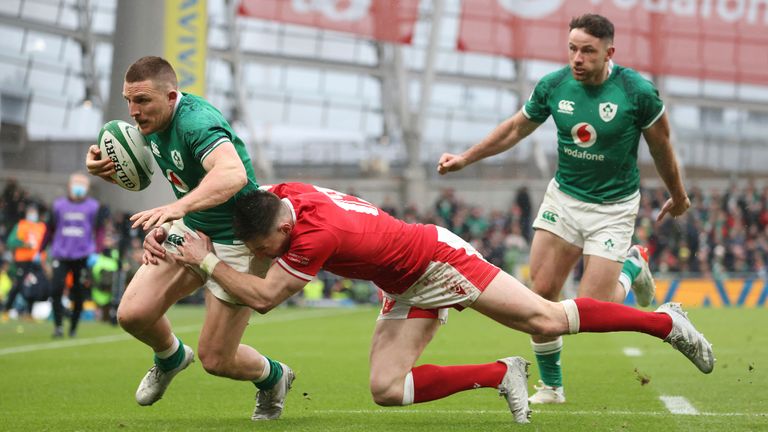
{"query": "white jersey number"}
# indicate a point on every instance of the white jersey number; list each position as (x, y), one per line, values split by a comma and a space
(348, 202)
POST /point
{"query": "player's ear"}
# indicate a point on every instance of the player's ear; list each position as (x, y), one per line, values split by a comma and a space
(285, 228)
(609, 53)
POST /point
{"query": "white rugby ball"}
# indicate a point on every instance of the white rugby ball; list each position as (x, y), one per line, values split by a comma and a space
(123, 143)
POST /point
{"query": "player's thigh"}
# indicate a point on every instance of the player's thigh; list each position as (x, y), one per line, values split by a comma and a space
(396, 346)
(552, 259)
(509, 302)
(608, 228)
(223, 328)
(600, 278)
(155, 288)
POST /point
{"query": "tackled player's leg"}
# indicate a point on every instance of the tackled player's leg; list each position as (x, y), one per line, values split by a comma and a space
(222, 354)
(152, 291)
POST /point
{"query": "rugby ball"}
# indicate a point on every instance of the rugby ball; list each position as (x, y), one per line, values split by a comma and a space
(123, 143)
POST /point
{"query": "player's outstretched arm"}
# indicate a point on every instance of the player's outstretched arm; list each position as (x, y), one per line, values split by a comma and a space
(225, 177)
(262, 295)
(502, 138)
(657, 137)
(97, 166)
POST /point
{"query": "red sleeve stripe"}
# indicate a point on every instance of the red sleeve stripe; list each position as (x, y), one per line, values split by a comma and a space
(293, 271)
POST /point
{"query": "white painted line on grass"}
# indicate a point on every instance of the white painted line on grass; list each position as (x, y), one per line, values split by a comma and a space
(536, 412)
(632, 352)
(678, 405)
(318, 313)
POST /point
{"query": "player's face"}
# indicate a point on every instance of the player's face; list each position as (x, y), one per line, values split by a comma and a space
(150, 105)
(271, 246)
(588, 56)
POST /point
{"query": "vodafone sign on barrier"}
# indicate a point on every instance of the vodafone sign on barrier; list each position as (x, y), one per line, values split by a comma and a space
(384, 20)
(709, 39)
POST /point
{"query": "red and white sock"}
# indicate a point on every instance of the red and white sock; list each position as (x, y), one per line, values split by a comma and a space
(586, 315)
(430, 382)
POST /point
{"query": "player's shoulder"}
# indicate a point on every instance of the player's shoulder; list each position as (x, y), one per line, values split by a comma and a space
(555, 78)
(632, 81)
(290, 189)
(195, 112)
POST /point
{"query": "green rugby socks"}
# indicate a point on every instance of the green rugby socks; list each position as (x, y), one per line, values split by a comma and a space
(548, 360)
(272, 373)
(172, 357)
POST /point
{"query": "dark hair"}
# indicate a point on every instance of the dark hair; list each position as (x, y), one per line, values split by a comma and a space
(255, 214)
(596, 25)
(151, 68)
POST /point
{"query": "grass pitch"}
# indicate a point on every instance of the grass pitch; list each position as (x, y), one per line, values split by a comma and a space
(614, 382)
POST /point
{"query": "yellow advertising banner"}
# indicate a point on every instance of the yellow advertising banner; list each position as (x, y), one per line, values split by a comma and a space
(712, 292)
(186, 41)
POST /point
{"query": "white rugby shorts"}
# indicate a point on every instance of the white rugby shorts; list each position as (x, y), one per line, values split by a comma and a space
(455, 277)
(239, 257)
(604, 230)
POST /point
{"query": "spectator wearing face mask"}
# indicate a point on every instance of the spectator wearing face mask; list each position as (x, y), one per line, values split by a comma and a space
(73, 224)
(26, 243)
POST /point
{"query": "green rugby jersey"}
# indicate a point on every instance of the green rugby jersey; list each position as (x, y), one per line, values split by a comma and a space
(196, 129)
(598, 130)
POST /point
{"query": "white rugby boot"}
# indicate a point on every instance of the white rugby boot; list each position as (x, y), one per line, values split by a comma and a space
(269, 403)
(547, 394)
(685, 338)
(643, 286)
(156, 381)
(514, 388)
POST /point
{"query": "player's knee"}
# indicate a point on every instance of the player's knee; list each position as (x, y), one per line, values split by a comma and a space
(386, 393)
(131, 319)
(213, 363)
(545, 286)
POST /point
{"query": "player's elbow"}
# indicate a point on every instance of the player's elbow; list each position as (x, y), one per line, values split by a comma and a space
(263, 306)
(240, 179)
(237, 176)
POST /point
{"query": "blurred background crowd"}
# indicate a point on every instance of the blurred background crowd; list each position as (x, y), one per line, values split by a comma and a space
(724, 234)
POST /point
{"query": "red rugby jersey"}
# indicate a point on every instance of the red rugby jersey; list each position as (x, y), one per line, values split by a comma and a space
(352, 238)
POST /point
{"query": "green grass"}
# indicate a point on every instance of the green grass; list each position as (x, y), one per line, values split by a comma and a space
(87, 384)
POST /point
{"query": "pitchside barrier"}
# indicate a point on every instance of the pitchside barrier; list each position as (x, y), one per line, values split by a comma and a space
(710, 292)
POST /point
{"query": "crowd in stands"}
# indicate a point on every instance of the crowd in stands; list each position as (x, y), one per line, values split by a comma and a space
(117, 256)
(725, 233)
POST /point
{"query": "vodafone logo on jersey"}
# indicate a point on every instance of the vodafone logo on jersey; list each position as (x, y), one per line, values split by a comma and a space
(584, 135)
(176, 181)
(531, 9)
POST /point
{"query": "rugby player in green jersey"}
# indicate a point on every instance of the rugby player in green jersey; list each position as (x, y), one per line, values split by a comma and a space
(600, 110)
(207, 167)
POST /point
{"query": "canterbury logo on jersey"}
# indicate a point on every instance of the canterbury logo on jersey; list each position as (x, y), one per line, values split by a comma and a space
(565, 107)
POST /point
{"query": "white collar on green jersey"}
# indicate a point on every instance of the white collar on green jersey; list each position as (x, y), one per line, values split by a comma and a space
(178, 101)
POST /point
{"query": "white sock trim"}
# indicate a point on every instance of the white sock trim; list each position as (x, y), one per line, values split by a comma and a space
(408, 390)
(170, 351)
(572, 314)
(625, 283)
(264, 373)
(550, 347)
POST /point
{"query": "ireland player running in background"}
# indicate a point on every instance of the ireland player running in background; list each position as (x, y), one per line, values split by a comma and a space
(207, 166)
(600, 109)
